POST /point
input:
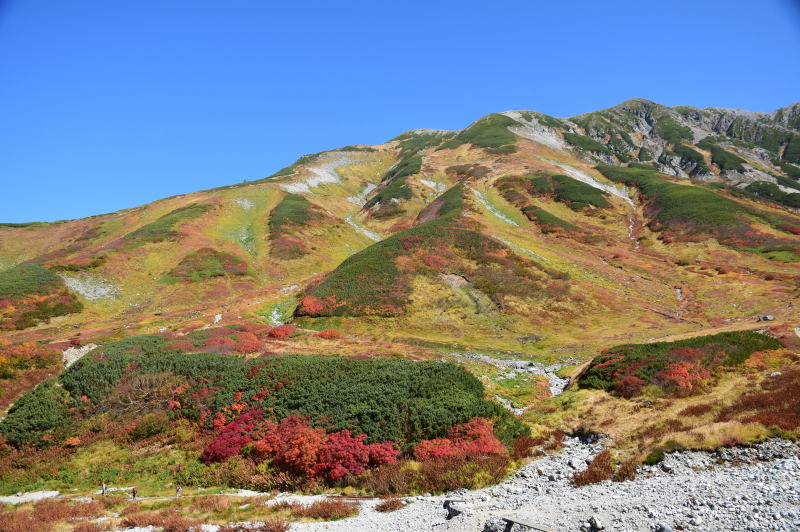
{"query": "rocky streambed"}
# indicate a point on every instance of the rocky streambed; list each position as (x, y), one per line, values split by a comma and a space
(557, 384)
(749, 489)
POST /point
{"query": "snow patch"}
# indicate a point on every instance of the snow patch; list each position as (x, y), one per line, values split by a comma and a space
(583, 177)
(535, 131)
(323, 173)
(245, 204)
(435, 185)
(364, 231)
(497, 214)
(360, 199)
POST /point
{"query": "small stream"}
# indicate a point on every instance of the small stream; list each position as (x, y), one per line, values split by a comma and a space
(556, 384)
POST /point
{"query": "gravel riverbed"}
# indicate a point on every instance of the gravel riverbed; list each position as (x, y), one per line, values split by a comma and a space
(750, 489)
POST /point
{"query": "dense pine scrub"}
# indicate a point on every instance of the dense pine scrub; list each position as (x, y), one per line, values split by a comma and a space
(396, 400)
(546, 221)
(725, 160)
(669, 129)
(412, 142)
(294, 211)
(206, 263)
(164, 227)
(39, 417)
(689, 158)
(771, 192)
(490, 132)
(670, 203)
(679, 367)
(588, 144)
(577, 195)
(393, 187)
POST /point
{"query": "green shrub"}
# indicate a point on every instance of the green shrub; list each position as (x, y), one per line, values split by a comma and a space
(725, 160)
(644, 363)
(399, 400)
(293, 211)
(692, 157)
(678, 203)
(206, 263)
(670, 130)
(37, 295)
(585, 143)
(37, 416)
(395, 186)
(577, 194)
(771, 192)
(150, 425)
(490, 132)
(654, 457)
(370, 283)
(412, 142)
(547, 222)
(26, 280)
(645, 154)
(164, 227)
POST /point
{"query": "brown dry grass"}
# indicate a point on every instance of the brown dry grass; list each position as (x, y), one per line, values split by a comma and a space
(389, 505)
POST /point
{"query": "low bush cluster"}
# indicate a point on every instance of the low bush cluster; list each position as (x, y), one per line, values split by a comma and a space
(25, 356)
(206, 263)
(490, 133)
(678, 368)
(164, 228)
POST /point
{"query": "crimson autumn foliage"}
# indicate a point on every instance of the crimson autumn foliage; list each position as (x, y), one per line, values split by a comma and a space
(472, 438)
(294, 446)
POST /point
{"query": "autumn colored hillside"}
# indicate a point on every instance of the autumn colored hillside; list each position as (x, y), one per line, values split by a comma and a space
(646, 258)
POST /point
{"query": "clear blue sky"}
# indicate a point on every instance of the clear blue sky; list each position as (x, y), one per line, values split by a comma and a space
(111, 104)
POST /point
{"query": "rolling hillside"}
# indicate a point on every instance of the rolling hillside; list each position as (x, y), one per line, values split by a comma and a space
(645, 258)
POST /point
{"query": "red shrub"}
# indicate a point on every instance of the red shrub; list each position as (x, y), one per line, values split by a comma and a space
(629, 387)
(290, 443)
(343, 454)
(685, 375)
(472, 438)
(181, 346)
(326, 509)
(233, 437)
(219, 344)
(248, 346)
(282, 332)
(311, 305)
(330, 334)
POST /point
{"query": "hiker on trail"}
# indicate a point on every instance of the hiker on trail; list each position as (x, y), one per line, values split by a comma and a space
(103, 489)
(133, 493)
(178, 491)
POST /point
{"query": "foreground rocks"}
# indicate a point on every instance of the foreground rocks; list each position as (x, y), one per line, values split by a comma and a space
(732, 489)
